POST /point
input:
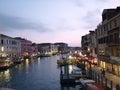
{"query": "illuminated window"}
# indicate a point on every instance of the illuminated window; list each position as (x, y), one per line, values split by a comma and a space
(2, 48)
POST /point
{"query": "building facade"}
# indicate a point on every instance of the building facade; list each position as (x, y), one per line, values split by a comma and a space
(34, 49)
(47, 48)
(85, 43)
(62, 47)
(108, 36)
(9, 47)
(26, 45)
(89, 44)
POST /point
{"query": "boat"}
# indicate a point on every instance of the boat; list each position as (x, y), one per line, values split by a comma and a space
(89, 84)
(76, 71)
(45, 55)
(17, 60)
(5, 63)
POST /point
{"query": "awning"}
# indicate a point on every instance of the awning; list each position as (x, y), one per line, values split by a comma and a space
(90, 57)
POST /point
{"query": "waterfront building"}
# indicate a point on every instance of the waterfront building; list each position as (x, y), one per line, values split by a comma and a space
(62, 47)
(108, 36)
(26, 45)
(89, 43)
(9, 47)
(74, 49)
(55, 49)
(85, 43)
(34, 49)
(47, 48)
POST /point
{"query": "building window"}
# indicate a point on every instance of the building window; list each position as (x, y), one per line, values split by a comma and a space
(14, 43)
(7, 42)
(115, 23)
(110, 25)
(107, 29)
(2, 42)
(111, 38)
(104, 28)
(116, 38)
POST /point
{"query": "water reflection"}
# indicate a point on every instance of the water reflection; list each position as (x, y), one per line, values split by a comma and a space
(38, 60)
(33, 74)
(5, 78)
(27, 64)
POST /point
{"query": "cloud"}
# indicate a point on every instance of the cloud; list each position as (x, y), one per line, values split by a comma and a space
(8, 23)
(91, 19)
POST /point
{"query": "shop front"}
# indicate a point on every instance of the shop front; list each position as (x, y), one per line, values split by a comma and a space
(115, 67)
(103, 61)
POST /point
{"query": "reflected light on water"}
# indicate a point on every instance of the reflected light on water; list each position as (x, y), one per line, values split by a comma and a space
(7, 74)
(27, 61)
(5, 78)
(20, 66)
(38, 60)
(32, 60)
(70, 69)
(27, 64)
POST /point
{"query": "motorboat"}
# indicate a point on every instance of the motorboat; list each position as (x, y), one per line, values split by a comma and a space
(76, 70)
(89, 84)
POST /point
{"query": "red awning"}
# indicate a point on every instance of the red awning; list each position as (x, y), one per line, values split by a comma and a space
(90, 57)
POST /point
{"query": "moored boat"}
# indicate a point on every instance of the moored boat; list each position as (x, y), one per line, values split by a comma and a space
(88, 84)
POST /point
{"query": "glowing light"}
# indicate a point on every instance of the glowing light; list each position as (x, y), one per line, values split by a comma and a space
(75, 52)
(88, 49)
(2, 48)
(80, 53)
(70, 57)
(95, 60)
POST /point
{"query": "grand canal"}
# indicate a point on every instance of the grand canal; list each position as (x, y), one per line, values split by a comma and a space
(33, 74)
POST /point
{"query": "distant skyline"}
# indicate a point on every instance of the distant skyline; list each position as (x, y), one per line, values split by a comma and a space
(51, 21)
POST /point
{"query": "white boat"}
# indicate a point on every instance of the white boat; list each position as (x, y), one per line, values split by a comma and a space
(86, 81)
(76, 70)
(88, 84)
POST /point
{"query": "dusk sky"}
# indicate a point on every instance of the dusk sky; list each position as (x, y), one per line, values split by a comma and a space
(52, 20)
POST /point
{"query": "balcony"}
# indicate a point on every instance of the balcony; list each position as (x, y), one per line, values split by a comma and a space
(115, 60)
(114, 43)
(104, 58)
(113, 30)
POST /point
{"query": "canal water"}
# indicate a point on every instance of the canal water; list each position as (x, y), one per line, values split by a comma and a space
(34, 74)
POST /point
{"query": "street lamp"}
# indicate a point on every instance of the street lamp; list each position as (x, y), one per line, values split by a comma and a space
(88, 49)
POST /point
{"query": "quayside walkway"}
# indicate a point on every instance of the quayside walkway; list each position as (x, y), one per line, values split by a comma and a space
(113, 81)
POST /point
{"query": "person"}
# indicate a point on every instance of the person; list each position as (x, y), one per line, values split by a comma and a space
(103, 72)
